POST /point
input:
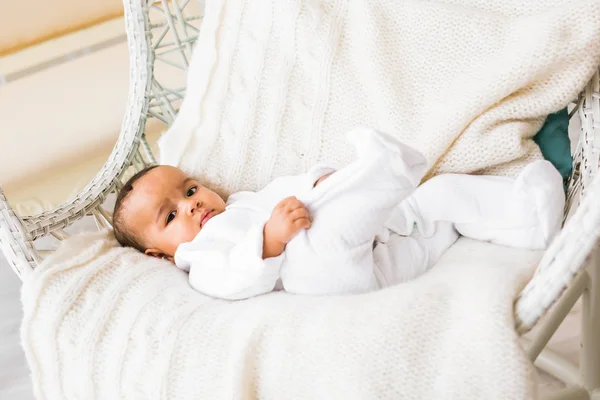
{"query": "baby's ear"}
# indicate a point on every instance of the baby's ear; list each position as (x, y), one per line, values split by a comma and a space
(158, 254)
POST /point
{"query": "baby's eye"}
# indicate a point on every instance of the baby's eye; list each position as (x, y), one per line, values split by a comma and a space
(171, 216)
(191, 191)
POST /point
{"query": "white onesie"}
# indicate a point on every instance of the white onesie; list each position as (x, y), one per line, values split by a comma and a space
(363, 237)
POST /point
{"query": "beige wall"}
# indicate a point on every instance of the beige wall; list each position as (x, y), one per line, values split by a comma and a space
(26, 22)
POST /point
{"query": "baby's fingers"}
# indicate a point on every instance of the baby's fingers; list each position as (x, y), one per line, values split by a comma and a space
(292, 204)
(299, 213)
(286, 203)
(302, 223)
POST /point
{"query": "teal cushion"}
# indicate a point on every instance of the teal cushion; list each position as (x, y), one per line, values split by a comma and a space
(554, 142)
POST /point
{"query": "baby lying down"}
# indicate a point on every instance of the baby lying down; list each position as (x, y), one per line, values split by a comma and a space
(361, 228)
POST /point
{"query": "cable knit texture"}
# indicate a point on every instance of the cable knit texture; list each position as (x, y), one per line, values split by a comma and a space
(105, 322)
(273, 85)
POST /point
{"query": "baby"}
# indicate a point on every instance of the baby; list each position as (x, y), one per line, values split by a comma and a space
(332, 232)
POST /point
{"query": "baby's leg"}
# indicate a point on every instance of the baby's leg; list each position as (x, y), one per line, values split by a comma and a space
(349, 209)
(353, 203)
(402, 258)
(523, 212)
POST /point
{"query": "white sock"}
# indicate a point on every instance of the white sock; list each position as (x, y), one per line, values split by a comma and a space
(524, 212)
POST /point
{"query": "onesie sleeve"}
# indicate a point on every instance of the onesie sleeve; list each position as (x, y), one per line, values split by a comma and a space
(232, 271)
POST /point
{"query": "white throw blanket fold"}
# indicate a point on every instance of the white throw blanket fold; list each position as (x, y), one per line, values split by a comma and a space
(274, 85)
(104, 322)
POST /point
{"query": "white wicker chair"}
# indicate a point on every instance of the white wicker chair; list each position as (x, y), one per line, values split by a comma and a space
(569, 269)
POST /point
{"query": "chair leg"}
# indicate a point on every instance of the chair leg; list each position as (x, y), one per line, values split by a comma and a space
(590, 326)
(569, 394)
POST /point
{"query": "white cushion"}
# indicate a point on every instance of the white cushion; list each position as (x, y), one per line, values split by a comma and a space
(128, 323)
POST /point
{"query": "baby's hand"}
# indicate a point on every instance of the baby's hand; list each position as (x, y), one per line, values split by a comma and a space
(288, 218)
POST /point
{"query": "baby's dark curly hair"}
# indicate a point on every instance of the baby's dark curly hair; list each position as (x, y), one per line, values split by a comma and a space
(124, 233)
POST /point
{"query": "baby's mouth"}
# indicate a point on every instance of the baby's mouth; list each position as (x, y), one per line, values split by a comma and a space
(205, 217)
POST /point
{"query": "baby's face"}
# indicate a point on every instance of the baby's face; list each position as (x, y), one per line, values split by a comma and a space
(167, 208)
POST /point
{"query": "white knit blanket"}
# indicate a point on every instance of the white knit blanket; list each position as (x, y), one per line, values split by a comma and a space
(273, 85)
(104, 322)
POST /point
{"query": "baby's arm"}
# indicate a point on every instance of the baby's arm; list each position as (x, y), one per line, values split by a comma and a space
(288, 218)
(230, 268)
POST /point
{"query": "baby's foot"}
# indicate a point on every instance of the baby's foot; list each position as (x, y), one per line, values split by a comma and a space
(373, 145)
(543, 186)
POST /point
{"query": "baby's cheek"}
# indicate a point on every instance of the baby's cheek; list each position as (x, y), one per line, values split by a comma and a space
(179, 235)
(190, 233)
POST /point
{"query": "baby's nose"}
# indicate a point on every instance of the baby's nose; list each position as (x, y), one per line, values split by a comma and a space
(193, 206)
